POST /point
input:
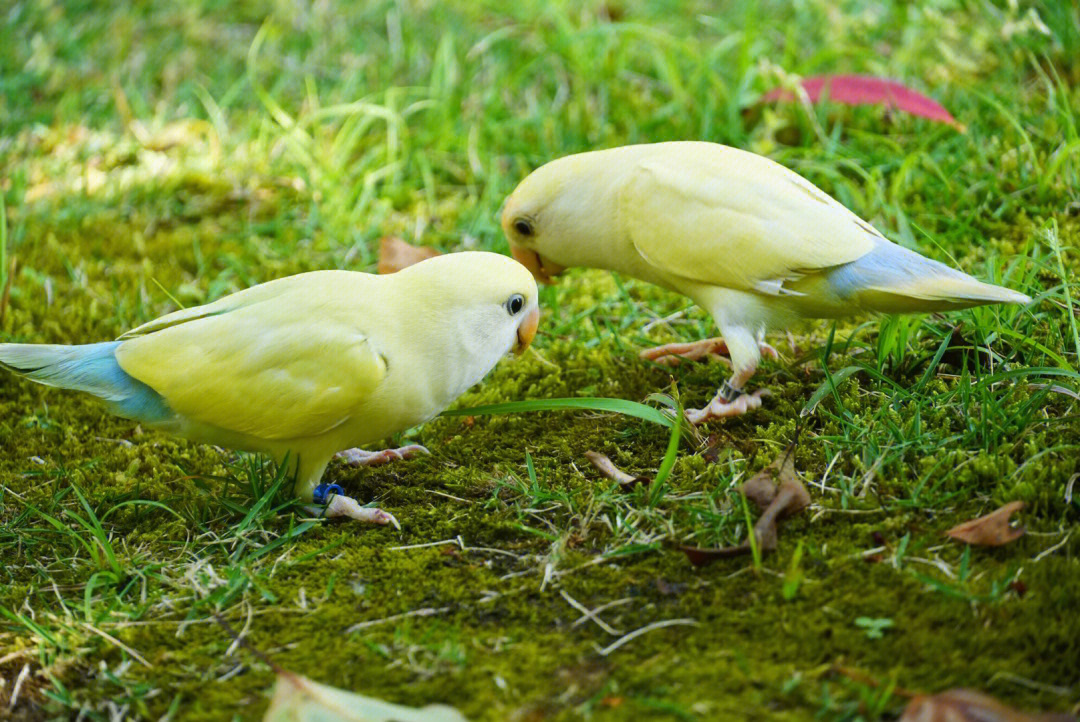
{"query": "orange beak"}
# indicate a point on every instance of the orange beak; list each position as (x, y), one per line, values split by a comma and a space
(527, 331)
(542, 269)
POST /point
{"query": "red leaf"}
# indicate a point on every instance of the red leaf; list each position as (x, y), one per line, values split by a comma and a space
(868, 90)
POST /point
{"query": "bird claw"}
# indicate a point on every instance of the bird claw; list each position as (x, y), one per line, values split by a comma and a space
(720, 409)
(359, 457)
(341, 505)
(673, 354)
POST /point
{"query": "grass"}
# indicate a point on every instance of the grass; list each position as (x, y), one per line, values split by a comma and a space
(157, 155)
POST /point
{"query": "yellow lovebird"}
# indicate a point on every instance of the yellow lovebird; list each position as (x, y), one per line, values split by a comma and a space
(748, 240)
(306, 366)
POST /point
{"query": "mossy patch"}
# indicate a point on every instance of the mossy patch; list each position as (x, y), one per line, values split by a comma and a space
(204, 168)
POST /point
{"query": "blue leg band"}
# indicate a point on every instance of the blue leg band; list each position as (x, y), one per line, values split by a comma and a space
(323, 491)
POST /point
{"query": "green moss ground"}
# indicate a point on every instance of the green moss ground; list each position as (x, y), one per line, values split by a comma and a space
(158, 154)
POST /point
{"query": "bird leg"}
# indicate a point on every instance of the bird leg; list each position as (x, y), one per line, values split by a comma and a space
(729, 400)
(359, 457)
(337, 504)
(673, 354)
(333, 496)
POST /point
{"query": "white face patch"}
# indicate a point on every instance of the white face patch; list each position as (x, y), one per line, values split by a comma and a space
(483, 337)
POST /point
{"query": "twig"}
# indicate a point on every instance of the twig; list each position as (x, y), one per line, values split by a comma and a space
(1030, 683)
(425, 612)
(249, 646)
(18, 685)
(1050, 550)
(239, 638)
(15, 655)
(428, 544)
(856, 675)
(644, 630)
(105, 635)
(588, 614)
(448, 496)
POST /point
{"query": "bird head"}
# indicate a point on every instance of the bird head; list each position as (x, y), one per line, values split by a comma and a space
(488, 300)
(560, 215)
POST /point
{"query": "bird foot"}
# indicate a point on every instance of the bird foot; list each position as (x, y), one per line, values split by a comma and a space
(359, 457)
(673, 354)
(341, 505)
(719, 408)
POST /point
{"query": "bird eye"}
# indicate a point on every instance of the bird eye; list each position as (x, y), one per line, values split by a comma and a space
(523, 227)
(515, 303)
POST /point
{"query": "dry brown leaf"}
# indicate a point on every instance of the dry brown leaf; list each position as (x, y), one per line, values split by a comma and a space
(298, 699)
(992, 530)
(778, 502)
(395, 254)
(761, 488)
(965, 705)
(607, 467)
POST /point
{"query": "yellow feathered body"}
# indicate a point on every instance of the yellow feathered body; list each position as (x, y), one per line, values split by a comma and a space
(306, 365)
(752, 242)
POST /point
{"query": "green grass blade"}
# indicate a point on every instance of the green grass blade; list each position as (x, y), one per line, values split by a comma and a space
(585, 403)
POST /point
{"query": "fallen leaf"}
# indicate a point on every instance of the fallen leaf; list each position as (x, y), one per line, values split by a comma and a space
(868, 90)
(992, 530)
(298, 699)
(965, 705)
(777, 501)
(395, 254)
(712, 449)
(763, 486)
(608, 469)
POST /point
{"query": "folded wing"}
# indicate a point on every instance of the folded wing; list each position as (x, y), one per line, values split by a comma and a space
(736, 219)
(283, 360)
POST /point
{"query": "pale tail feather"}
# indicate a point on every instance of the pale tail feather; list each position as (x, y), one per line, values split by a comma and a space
(892, 279)
(91, 368)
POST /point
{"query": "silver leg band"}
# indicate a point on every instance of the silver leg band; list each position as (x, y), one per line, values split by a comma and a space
(728, 393)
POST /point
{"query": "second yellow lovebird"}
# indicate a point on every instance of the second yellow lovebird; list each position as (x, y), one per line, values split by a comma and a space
(307, 366)
(751, 242)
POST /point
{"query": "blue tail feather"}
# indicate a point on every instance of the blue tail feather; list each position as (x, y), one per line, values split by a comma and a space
(887, 266)
(91, 368)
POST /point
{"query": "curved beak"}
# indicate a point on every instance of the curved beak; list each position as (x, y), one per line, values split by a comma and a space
(541, 268)
(527, 330)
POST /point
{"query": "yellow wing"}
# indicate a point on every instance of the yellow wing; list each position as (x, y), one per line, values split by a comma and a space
(283, 360)
(729, 218)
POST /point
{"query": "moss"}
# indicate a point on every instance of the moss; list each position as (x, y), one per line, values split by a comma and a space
(893, 456)
(504, 645)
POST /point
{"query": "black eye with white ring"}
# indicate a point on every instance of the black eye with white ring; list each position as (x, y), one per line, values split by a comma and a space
(523, 227)
(514, 304)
